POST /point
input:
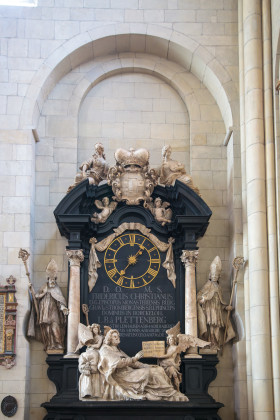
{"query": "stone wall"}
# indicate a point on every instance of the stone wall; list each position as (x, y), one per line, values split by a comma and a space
(172, 69)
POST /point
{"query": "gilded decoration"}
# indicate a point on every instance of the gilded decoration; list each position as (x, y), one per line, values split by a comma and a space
(8, 314)
(101, 246)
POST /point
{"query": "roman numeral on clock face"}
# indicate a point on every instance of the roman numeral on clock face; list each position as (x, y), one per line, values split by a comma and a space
(155, 261)
(131, 239)
(120, 281)
(110, 260)
(152, 272)
(112, 272)
(121, 241)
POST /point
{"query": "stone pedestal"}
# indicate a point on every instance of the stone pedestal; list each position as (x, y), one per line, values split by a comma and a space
(197, 375)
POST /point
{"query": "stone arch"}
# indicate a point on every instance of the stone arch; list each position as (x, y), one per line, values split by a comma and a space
(118, 38)
(171, 73)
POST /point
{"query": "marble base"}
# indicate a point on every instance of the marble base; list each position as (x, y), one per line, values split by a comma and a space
(208, 351)
(55, 351)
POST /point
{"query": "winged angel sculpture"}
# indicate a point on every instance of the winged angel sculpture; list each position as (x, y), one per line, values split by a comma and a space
(160, 210)
(176, 344)
(106, 208)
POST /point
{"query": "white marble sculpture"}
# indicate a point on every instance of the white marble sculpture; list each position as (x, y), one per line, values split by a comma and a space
(90, 382)
(176, 344)
(47, 321)
(94, 169)
(171, 170)
(106, 208)
(131, 179)
(160, 210)
(212, 310)
(107, 373)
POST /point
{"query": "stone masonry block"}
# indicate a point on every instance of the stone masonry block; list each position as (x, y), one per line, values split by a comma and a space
(20, 239)
(24, 186)
(8, 28)
(7, 185)
(39, 29)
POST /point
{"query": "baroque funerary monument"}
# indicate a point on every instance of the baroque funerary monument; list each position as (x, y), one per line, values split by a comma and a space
(156, 122)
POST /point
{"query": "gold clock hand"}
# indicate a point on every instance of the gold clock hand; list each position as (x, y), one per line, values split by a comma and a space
(133, 258)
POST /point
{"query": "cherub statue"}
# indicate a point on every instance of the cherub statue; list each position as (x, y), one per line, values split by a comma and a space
(160, 211)
(177, 343)
(107, 209)
(91, 384)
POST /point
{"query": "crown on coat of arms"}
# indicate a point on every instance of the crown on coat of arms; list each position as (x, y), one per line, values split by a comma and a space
(139, 157)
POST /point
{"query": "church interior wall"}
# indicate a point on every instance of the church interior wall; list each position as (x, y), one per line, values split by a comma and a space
(59, 70)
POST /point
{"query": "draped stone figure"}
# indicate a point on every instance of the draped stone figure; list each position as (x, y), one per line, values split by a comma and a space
(95, 168)
(91, 384)
(212, 309)
(49, 325)
(171, 170)
(127, 378)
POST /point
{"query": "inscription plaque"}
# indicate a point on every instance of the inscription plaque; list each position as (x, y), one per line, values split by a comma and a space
(140, 314)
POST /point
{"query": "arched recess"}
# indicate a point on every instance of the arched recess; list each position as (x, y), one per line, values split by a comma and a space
(120, 38)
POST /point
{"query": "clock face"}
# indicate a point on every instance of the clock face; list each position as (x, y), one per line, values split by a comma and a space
(132, 261)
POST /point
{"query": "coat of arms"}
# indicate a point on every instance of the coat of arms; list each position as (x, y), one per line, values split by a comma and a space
(131, 179)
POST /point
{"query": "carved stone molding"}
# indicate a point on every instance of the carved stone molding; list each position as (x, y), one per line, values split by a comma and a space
(189, 257)
(75, 256)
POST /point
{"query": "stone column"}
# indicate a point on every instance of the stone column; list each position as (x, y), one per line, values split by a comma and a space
(271, 203)
(256, 213)
(189, 259)
(75, 258)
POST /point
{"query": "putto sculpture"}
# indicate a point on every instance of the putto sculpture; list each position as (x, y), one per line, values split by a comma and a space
(106, 208)
(160, 210)
(171, 170)
(131, 179)
(212, 310)
(95, 169)
(47, 320)
(90, 382)
(176, 344)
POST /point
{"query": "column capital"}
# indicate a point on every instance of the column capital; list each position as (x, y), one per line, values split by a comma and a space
(75, 256)
(189, 258)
